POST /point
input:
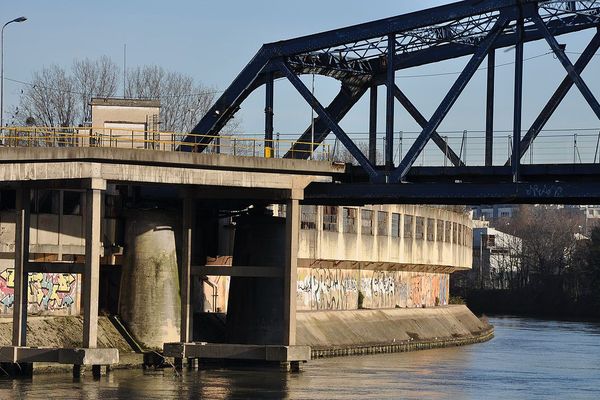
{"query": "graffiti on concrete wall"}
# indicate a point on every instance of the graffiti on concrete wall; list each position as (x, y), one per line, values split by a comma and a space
(337, 289)
(46, 292)
(326, 289)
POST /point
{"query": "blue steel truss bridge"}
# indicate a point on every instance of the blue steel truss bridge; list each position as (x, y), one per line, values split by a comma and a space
(366, 56)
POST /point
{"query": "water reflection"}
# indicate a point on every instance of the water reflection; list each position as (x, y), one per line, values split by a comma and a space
(528, 359)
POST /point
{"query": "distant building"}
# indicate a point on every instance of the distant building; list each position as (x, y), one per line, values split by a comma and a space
(131, 123)
(495, 212)
(496, 259)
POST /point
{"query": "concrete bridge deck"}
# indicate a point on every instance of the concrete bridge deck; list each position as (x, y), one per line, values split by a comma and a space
(117, 165)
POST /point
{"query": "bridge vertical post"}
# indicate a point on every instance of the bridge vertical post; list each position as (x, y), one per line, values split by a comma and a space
(91, 272)
(269, 116)
(23, 203)
(373, 125)
(489, 115)
(389, 117)
(186, 270)
(518, 103)
(290, 274)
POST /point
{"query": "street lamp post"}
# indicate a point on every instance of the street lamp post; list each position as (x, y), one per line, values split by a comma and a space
(20, 19)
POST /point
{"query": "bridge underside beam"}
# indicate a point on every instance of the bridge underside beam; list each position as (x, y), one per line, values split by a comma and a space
(453, 193)
(500, 174)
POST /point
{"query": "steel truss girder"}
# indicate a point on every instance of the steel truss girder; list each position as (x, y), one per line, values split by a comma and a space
(572, 17)
(559, 94)
(422, 121)
(330, 121)
(337, 109)
(461, 82)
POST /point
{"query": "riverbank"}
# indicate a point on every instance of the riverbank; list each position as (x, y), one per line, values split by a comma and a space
(328, 333)
(357, 332)
(528, 359)
(530, 303)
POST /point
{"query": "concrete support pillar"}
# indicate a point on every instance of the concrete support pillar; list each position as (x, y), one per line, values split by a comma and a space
(186, 270)
(290, 274)
(91, 275)
(20, 274)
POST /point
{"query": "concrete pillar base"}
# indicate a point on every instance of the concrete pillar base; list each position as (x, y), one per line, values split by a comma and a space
(192, 364)
(178, 363)
(97, 370)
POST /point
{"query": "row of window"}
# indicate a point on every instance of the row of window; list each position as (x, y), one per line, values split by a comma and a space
(378, 223)
(46, 201)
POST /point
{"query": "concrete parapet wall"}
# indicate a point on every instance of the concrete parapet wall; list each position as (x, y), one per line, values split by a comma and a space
(328, 330)
(399, 235)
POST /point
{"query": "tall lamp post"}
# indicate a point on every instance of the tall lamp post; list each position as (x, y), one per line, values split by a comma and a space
(20, 19)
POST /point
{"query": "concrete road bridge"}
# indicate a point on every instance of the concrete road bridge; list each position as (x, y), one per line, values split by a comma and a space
(159, 168)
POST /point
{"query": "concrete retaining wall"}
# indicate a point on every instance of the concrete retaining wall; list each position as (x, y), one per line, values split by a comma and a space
(337, 289)
(371, 331)
(64, 332)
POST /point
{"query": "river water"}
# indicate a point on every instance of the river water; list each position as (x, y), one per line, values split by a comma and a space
(528, 359)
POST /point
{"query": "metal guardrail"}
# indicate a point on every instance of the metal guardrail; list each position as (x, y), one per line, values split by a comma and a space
(154, 140)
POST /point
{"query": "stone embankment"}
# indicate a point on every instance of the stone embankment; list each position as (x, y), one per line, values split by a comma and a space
(337, 333)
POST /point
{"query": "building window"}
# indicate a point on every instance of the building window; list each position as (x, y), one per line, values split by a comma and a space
(350, 220)
(447, 231)
(420, 228)
(45, 201)
(408, 226)
(72, 203)
(366, 222)
(330, 218)
(430, 229)
(382, 223)
(8, 199)
(308, 217)
(395, 232)
(454, 232)
(439, 232)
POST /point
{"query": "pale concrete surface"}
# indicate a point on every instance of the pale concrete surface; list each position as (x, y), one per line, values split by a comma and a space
(15, 155)
(63, 332)
(150, 297)
(327, 329)
(79, 356)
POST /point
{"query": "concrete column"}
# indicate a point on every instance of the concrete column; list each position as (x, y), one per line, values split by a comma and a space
(23, 204)
(186, 271)
(91, 274)
(290, 274)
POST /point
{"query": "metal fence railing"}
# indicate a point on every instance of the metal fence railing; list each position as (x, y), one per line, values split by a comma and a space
(236, 145)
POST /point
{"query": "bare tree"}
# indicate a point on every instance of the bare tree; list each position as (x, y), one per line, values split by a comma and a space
(49, 101)
(94, 78)
(183, 102)
(342, 154)
(58, 98)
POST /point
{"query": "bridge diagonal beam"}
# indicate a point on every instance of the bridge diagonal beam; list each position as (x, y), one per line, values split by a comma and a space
(422, 121)
(227, 104)
(440, 113)
(566, 62)
(328, 119)
(337, 109)
(559, 94)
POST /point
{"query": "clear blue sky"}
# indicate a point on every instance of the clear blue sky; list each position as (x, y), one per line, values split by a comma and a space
(212, 41)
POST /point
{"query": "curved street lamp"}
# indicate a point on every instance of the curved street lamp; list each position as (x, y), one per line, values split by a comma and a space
(20, 19)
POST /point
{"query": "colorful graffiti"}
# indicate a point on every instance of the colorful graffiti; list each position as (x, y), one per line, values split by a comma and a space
(46, 292)
(337, 289)
(326, 289)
